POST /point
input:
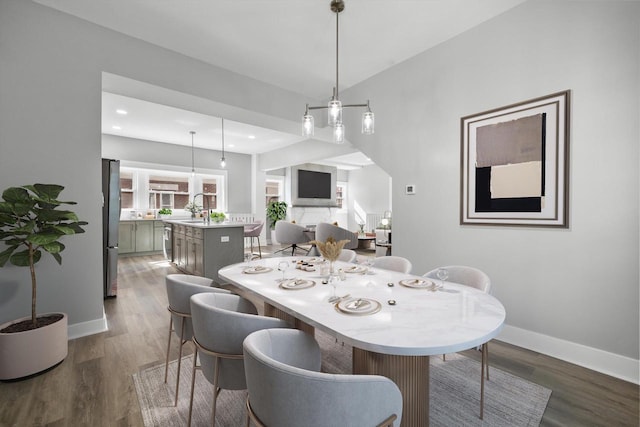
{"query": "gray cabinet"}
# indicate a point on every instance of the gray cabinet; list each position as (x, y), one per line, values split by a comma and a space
(158, 235)
(126, 237)
(144, 236)
(139, 236)
(202, 251)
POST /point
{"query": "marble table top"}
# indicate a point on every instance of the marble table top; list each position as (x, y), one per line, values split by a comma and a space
(422, 322)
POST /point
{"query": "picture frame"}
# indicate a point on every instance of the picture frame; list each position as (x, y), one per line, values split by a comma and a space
(514, 163)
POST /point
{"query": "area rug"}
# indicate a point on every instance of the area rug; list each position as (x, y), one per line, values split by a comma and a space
(454, 393)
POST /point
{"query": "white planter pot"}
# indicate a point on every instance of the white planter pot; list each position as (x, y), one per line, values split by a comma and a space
(29, 352)
(273, 238)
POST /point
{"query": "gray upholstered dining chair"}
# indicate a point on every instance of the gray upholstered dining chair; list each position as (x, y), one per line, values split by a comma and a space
(394, 263)
(478, 279)
(254, 230)
(288, 233)
(286, 388)
(325, 230)
(180, 287)
(220, 325)
(347, 255)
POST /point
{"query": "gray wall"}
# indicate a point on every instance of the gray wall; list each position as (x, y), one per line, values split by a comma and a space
(238, 165)
(578, 285)
(50, 112)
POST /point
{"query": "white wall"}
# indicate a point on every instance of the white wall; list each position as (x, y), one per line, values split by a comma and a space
(238, 194)
(50, 112)
(564, 290)
(369, 189)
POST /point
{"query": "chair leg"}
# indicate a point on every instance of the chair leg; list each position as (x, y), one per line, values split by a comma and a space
(259, 248)
(193, 383)
(166, 363)
(486, 364)
(444, 357)
(182, 343)
(251, 243)
(216, 390)
(482, 367)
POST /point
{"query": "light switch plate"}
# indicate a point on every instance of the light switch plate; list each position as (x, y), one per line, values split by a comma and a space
(224, 239)
(410, 189)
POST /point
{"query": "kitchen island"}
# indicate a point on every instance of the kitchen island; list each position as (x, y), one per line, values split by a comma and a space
(201, 248)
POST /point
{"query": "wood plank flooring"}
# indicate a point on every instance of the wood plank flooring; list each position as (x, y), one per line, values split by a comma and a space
(93, 386)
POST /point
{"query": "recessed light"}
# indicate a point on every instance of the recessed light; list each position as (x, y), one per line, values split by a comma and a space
(252, 137)
(231, 145)
(121, 111)
(116, 127)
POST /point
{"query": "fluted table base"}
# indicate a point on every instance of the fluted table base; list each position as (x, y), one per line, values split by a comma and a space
(411, 375)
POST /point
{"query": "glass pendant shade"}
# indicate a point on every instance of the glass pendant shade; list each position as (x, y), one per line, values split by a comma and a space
(368, 122)
(223, 162)
(307, 125)
(338, 133)
(335, 112)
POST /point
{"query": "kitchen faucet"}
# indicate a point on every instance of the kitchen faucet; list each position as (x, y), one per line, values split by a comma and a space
(204, 200)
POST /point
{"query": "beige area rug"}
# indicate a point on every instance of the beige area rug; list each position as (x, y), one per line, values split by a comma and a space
(454, 392)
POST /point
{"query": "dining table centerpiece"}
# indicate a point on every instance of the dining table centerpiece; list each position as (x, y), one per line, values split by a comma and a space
(330, 250)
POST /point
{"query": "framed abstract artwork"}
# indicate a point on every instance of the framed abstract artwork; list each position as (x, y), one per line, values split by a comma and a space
(515, 164)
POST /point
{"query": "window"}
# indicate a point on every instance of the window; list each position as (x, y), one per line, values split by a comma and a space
(147, 189)
(126, 190)
(168, 191)
(210, 190)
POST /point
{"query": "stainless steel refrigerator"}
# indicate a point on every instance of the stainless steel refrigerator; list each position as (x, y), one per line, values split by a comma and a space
(110, 223)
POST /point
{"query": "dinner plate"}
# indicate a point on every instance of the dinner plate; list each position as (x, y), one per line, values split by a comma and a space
(257, 270)
(355, 269)
(420, 284)
(295, 284)
(358, 306)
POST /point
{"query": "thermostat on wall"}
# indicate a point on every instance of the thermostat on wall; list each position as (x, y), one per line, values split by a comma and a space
(410, 189)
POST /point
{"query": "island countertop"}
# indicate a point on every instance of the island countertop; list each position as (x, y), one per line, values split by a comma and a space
(200, 223)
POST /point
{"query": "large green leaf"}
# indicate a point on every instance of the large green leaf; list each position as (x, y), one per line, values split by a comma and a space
(4, 255)
(51, 215)
(53, 247)
(46, 191)
(41, 239)
(21, 259)
(15, 195)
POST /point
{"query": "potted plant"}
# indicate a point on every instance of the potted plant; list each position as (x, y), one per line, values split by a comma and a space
(217, 217)
(276, 211)
(31, 225)
(194, 208)
(165, 213)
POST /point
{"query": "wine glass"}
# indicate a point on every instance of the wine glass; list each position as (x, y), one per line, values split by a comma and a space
(442, 274)
(333, 281)
(283, 266)
(247, 258)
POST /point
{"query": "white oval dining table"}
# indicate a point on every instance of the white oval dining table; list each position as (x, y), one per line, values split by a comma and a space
(395, 341)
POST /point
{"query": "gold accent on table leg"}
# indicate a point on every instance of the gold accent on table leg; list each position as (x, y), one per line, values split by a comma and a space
(272, 311)
(411, 375)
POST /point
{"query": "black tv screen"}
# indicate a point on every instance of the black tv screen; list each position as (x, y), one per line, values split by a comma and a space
(314, 185)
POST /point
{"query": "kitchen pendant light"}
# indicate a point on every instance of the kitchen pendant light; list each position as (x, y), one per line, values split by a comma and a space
(193, 169)
(223, 161)
(335, 106)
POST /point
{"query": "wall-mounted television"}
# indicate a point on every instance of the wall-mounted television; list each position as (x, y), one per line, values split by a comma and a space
(313, 185)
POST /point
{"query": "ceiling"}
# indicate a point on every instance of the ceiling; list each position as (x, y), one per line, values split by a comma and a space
(287, 43)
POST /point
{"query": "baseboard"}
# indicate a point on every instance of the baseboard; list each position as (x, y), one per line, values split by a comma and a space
(91, 327)
(605, 362)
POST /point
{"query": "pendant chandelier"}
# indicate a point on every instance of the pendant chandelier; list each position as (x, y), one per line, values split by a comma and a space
(193, 169)
(334, 106)
(223, 161)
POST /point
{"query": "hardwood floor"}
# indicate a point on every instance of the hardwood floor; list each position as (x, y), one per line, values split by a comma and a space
(93, 386)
